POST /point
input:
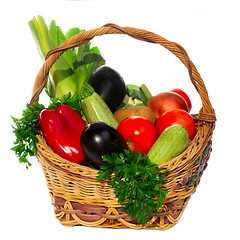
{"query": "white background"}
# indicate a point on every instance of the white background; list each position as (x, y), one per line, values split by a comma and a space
(208, 30)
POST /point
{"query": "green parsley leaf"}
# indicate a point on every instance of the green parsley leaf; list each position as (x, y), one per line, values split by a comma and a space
(137, 182)
(25, 130)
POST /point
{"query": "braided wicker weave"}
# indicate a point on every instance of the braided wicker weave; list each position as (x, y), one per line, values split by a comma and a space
(79, 199)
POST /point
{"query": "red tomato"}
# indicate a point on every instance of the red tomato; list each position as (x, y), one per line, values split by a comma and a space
(184, 96)
(139, 133)
(165, 101)
(176, 116)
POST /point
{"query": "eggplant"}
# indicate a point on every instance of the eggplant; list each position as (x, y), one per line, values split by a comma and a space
(109, 84)
(99, 138)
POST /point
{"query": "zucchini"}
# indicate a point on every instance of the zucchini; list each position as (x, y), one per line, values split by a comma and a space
(94, 107)
(146, 92)
(172, 142)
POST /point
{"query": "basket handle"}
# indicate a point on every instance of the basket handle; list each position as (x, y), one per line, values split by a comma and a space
(206, 113)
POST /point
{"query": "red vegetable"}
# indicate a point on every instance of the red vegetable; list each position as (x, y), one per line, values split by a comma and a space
(62, 129)
(139, 133)
(184, 96)
(165, 101)
(176, 116)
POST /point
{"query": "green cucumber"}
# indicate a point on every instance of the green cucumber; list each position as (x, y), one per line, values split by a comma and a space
(172, 142)
(94, 107)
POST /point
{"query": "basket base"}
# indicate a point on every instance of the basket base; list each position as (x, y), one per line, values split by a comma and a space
(71, 214)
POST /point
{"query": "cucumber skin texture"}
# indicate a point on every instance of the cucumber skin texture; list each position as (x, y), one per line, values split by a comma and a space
(96, 110)
(172, 142)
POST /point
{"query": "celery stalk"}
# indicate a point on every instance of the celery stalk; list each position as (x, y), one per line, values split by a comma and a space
(74, 67)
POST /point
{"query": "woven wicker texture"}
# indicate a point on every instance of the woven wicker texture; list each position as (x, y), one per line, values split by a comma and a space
(79, 199)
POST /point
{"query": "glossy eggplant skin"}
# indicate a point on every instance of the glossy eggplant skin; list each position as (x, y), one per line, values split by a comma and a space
(99, 138)
(109, 84)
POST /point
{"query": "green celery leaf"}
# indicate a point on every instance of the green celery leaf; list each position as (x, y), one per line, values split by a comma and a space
(59, 38)
(72, 32)
(62, 76)
(90, 62)
(73, 67)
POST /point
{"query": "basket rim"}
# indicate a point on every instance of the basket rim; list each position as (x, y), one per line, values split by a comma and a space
(83, 171)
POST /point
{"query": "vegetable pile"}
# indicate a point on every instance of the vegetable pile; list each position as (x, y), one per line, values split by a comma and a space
(94, 117)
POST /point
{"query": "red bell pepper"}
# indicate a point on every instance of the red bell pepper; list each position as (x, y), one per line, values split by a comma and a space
(62, 129)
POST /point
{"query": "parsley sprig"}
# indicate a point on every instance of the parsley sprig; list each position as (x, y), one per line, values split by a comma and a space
(27, 127)
(137, 183)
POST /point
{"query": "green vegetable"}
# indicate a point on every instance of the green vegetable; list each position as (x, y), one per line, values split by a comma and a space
(25, 130)
(74, 67)
(141, 93)
(26, 127)
(172, 142)
(137, 183)
(94, 107)
(145, 91)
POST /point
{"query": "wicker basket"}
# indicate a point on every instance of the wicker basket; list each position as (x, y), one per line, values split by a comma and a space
(79, 199)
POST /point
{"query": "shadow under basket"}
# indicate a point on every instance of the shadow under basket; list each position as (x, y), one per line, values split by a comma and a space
(79, 199)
